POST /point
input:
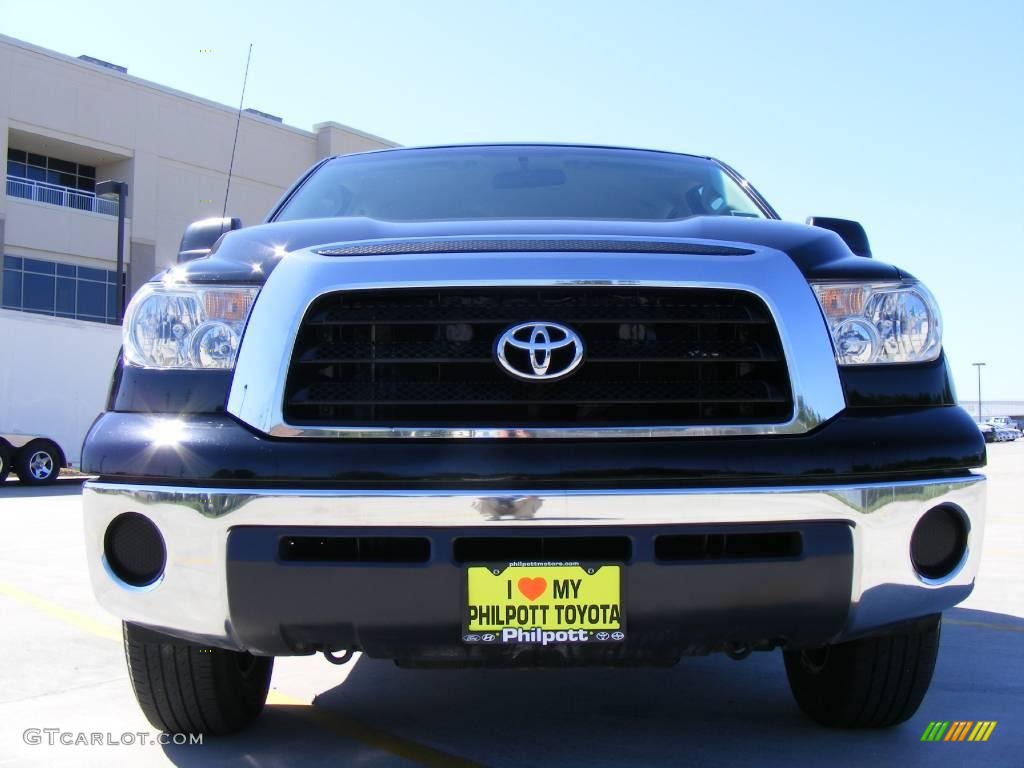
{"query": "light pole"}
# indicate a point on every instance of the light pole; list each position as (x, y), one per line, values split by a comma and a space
(978, 366)
(109, 189)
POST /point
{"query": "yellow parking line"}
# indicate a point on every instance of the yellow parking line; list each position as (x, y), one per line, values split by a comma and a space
(323, 718)
(342, 726)
(68, 616)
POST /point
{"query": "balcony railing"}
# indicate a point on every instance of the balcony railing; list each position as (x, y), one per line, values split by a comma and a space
(54, 194)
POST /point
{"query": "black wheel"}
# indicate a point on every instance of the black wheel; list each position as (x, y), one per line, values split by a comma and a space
(5, 462)
(874, 682)
(189, 688)
(38, 462)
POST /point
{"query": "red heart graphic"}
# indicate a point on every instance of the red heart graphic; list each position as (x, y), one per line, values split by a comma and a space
(533, 588)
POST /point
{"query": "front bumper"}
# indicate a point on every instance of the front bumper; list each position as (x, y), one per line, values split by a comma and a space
(226, 584)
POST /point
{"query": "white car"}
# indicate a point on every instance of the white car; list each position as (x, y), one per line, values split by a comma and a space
(1005, 433)
(1006, 428)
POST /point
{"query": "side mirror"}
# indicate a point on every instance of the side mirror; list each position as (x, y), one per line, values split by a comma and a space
(200, 236)
(851, 232)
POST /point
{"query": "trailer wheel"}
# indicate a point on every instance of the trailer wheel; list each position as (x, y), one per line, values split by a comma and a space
(39, 462)
(5, 462)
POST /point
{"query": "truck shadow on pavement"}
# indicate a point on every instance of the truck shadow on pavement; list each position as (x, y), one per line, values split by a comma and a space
(704, 711)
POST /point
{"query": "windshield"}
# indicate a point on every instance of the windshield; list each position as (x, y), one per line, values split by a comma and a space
(519, 182)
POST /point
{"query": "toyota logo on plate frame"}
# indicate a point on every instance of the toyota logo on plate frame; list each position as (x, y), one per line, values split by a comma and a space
(541, 342)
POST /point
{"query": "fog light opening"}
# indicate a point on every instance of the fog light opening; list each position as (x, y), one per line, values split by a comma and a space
(938, 545)
(134, 549)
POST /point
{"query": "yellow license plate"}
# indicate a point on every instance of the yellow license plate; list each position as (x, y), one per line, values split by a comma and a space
(543, 604)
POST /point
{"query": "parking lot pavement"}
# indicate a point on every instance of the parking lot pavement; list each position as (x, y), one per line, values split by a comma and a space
(61, 667)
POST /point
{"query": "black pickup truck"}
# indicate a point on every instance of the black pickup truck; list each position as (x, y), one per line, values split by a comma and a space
(536, 405)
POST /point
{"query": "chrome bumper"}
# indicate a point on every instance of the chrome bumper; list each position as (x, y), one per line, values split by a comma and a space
(191, 597)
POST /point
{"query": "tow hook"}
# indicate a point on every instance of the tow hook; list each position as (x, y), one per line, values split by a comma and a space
(737, 652)
(343, 658)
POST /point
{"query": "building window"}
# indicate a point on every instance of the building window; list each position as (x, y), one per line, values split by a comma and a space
(27, 165)
(60, 290)
(55, 181)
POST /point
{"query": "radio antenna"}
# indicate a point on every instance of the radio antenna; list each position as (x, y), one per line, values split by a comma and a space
(234, 144)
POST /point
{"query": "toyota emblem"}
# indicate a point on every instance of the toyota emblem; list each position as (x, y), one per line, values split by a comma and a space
(539, 351)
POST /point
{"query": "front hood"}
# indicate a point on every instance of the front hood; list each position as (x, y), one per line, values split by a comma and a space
(250, 255)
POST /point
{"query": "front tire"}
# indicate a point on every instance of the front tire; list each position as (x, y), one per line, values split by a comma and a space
(5, 462)
(874, 682)
(191, 688)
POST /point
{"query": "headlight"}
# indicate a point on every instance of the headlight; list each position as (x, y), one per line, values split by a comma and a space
(178, 325)
(875, 323)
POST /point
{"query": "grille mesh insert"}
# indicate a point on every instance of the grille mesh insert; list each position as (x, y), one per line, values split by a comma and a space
(425, 357)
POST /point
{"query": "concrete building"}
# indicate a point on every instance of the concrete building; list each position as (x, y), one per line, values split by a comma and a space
(67, 122)
(989, 408)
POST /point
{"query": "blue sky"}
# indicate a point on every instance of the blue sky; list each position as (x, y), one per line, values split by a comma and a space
(906, 116)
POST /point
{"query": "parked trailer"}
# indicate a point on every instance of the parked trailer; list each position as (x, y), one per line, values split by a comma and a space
(54, 377)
